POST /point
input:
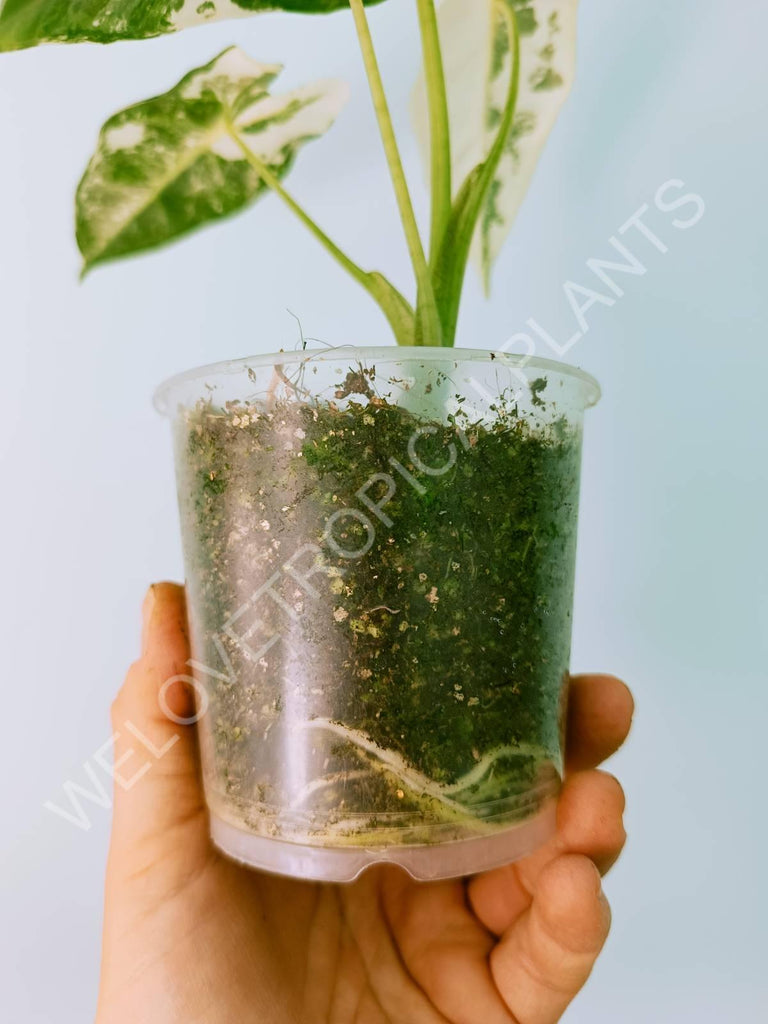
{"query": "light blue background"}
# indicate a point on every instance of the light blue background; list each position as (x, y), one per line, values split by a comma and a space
(673, 589)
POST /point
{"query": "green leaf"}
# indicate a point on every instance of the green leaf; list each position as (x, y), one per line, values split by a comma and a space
(476, 52)
(26, 23)
(173, 163)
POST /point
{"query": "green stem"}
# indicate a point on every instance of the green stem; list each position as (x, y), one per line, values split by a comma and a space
(271, 179)
(439, 125)
(395, 307)
(427, 319)
(451, 265)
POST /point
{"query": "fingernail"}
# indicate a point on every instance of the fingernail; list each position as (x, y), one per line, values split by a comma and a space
(146, 617)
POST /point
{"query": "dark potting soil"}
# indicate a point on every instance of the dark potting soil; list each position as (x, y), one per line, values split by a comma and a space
(382, 603)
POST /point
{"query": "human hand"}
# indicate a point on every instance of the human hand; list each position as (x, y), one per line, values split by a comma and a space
(192, 938)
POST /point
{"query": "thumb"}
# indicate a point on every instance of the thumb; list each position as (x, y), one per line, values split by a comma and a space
(546, 956)
(157, 785)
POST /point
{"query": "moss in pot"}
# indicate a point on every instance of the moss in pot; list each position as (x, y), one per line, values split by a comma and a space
(381, 598)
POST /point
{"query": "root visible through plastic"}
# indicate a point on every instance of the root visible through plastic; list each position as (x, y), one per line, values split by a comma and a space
(418, 783)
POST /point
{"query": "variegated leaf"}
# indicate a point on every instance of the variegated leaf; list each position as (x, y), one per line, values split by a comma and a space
(173, 163)
(26, 23)
(477, 56)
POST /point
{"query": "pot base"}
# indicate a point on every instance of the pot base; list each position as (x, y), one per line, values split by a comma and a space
(423, 863)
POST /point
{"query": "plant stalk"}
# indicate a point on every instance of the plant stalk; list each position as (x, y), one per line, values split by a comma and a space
(395, 306)
(428, 330)
(450, 269)
(439, 125)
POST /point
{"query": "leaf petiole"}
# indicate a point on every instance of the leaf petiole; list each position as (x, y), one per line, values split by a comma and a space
(428, 331)
(395, 307)
(451, 266)
(439, 124)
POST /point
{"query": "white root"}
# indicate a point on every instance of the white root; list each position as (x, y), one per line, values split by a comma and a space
(327, 780)
(415, 780)
(486, 762)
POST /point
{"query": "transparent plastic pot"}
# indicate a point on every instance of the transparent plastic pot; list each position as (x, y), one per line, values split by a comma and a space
(379, 548)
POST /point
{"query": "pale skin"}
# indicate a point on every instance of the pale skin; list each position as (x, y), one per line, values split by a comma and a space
(191, 938)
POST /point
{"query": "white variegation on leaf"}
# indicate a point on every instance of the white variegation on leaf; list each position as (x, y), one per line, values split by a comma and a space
(477, 58)
(176, 162)
(25, 23)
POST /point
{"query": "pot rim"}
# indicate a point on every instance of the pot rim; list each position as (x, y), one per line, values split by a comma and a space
(390, 353)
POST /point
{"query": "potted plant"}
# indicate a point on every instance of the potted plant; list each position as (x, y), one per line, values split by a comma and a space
(379, 543)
